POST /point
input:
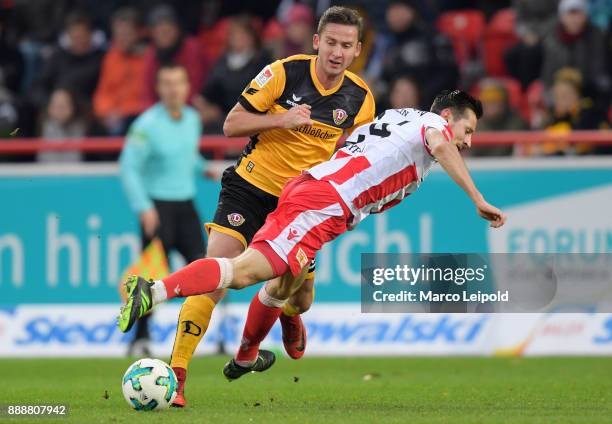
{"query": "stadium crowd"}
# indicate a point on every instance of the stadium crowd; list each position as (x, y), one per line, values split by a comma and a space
(77, 68)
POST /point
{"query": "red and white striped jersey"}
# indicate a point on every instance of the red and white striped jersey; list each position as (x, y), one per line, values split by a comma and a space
(383, 161)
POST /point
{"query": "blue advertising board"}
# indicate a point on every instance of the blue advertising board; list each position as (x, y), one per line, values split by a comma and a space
(67, 238)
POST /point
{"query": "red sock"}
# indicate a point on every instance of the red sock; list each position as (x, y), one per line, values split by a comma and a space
(260, 320)
(199, 277)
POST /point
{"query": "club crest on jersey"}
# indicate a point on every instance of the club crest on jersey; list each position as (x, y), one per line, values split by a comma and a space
(264, 76)
(301, 257)
(340, 116)
(235, 219)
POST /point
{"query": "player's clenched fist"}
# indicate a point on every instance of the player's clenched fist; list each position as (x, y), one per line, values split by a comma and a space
(296, 117)
(491, 213)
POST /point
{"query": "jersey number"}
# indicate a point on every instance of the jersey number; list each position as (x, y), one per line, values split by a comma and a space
(380, 132)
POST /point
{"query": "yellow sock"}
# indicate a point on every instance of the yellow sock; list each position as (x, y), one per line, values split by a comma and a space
(193, 323)
(290, 310)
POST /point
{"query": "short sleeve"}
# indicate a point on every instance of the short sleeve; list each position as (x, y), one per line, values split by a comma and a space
(432, 120)
(366, 112)
(264, 89)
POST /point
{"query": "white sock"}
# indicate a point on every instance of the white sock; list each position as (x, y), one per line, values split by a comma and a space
(227, 272)
(266, 299)
(246, 364)
(158, 290)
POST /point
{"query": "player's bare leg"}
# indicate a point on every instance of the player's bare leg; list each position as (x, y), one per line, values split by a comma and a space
(199, 277)
(196, 313)
(264, 310)
(294, 331)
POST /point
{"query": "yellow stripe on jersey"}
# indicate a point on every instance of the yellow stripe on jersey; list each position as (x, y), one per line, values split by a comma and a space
(274, 156)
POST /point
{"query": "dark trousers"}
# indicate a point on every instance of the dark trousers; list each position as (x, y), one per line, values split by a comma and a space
(180, 228)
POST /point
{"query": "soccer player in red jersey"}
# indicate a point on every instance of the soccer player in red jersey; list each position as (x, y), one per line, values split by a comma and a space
(379, 166)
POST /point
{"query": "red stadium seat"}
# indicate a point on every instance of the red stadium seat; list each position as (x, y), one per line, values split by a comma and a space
(465, 29)
(534, 98)
(213, 39)
(535, 93)
(503, 21)
(273, 31)
(498, 37)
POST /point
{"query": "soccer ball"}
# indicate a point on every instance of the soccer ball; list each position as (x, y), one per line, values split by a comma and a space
(149, 385)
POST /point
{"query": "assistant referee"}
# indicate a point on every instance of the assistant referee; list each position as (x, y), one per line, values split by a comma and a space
(159, 164)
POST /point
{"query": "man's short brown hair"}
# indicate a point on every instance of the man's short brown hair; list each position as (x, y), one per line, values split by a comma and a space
(343, 16)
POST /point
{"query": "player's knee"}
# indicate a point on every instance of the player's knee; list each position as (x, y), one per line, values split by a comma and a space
(217, 295)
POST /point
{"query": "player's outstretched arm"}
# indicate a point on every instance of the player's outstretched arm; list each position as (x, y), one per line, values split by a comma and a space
(242, 123)
(449, 158)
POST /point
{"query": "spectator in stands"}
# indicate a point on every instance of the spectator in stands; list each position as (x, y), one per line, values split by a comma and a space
(298, 31)
(537, 17)
(404, 93)
(75, 65)
(498, 115)
(601, 14)
(38, 23)
(570, 111)
(534, 20)
(171, 45)
(11, 71)
(64, 118)
(240, 63)
(11, 60)
(417, 50)
(368, 64)
(120, 95)
(575, 42)
(488, 7)
(9, 113)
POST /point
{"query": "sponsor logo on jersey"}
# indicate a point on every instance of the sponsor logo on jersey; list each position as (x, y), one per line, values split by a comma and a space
(292, 234)
(315, 132)
(235, 219)
(340, 116)
(301, 257)
(295, 100)
(251, 91)
(264, 76)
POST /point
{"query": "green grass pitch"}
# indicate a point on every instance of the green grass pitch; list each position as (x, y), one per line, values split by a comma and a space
(331, 390)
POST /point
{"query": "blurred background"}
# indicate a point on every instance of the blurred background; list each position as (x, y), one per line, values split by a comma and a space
(74, 74)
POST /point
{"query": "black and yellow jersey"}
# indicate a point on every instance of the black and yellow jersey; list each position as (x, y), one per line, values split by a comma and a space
(274, 156)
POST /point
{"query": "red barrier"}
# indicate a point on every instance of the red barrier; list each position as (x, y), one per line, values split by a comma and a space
(220, 145)
(496, 138)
